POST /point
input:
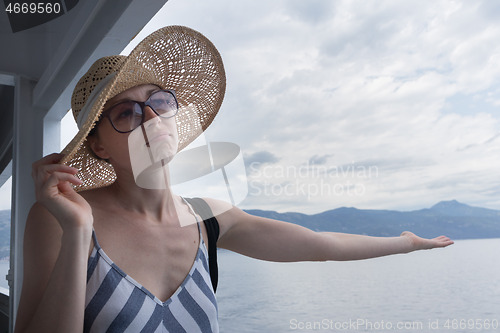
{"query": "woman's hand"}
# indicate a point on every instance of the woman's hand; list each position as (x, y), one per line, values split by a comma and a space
(419, 243)
(54, 191)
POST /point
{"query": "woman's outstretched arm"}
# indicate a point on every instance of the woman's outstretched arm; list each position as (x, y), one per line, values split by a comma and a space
(274, 240)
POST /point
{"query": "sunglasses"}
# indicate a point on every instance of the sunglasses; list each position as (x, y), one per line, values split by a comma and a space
(126, 116)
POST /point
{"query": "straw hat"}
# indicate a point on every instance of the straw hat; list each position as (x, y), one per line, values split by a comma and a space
(174, 57)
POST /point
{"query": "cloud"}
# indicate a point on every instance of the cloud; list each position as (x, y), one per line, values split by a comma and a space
(320, 159)
(260, 157)
(311, 12)
(492, 139)
(6, 194)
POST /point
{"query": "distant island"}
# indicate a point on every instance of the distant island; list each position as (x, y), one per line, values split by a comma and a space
(451, 218)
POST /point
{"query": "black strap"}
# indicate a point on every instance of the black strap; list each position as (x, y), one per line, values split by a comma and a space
(212, 226)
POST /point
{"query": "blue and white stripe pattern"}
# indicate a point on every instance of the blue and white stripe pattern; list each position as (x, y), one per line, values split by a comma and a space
(117, 303)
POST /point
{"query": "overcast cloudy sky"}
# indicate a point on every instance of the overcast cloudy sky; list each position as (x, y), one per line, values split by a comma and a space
(386, 104)
(383, 105)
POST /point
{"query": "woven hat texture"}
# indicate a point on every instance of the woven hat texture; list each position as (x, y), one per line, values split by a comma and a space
(173, 57)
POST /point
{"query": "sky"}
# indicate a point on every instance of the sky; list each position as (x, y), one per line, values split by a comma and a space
(374, 105)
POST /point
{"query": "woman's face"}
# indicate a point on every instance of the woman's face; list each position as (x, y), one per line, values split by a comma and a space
(154, 140)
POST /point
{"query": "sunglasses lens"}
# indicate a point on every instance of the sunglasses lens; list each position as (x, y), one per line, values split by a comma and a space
(126, 116)
(164, 103)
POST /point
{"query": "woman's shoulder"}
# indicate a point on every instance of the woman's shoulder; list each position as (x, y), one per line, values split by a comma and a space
(226, 214)
(218, 207)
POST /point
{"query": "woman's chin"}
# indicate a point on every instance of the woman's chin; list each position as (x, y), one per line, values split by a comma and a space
(163, 151)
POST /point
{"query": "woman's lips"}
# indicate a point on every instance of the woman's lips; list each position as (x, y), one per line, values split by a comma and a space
(156, 138)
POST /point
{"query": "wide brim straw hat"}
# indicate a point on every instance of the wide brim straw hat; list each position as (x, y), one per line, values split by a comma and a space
(174, 57)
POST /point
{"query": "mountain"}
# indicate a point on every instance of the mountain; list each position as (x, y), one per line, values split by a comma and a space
(451, 218)
(455, 208)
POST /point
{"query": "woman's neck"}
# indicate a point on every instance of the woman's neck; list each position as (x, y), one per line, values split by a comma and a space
(159, 203)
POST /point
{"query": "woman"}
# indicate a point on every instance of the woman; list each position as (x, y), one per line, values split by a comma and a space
(104, 253)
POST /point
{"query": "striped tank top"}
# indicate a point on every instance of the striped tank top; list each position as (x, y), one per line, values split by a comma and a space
(117, 303)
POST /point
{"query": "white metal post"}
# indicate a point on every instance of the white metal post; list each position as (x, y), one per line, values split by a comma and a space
(27, 147)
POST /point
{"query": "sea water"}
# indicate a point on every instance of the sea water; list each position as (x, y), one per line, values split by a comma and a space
(455, 289)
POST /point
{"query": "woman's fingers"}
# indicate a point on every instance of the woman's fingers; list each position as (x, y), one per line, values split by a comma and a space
(49, 159)
(444, 241)
(52, 178)
(57, 177)
(42, 171)
(55, 185)
(56, 167)
(441, 241)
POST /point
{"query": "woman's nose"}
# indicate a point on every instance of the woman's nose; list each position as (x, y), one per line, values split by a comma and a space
(149, 113)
